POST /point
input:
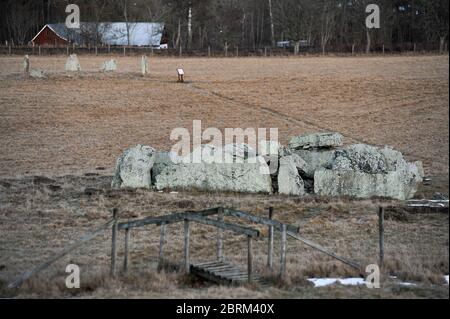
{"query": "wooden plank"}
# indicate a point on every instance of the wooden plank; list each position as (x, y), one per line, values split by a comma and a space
(219, 244)
(186, 246)
(381, 233)
(249, 258)
(114, 243)
(227, 226)
(283, 252)
(127, 250)
(270, 242)
(219, 268)
(259, 219)
(325, 251)
(207, 263)
(169, 218)
(85, 238)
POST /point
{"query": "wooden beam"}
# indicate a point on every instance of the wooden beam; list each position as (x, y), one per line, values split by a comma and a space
(270, 242)
(114, 243)
(168, 219)
(249, 259)
(325, 251)
(283, 252)
(219, 248)
(127, 250)
(224, 225)
(186, 246)
(381, 233)
(85, 238)
(260, 219)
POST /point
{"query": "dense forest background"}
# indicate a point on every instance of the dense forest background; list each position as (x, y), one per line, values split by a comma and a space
(326, 25)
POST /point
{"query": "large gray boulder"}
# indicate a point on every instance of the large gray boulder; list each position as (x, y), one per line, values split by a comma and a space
(289, 180)
(236, 170)
(133, 168)
(364, 171)
(72, 63)
(162, 160)
(314, 159)
(316, 140)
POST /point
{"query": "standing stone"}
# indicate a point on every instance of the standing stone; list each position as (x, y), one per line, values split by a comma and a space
(289, 180)
(72, 63)
(163, 160)
(26, 65)
(144, 65)
(316, 140)
(109, 66)
(133, 168)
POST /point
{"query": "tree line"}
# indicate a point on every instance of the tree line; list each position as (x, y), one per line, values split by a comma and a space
(325, 25)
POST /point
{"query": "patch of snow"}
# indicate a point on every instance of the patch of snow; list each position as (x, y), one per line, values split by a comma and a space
(322, 282)
(446, 279)
(407, 284)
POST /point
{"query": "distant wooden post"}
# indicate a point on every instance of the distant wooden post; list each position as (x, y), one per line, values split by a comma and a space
(186, 246)
(353, 49)
(414, 47)
(127, 250)
(383, 49)
(162, 240)
(226, 49)
(67, 49)
(283, 251)
(109, 48)
(124, 50)
(381, 233)
(237, 51)
(96, 50)
(73, 47)
(9, 49)
(219, 244)
(180, 53)
(209, 51)
(39, 49)
(114, 243)
(270, 242)
(249, 259)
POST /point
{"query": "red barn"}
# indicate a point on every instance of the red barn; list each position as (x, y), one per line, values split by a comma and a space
(54, 34)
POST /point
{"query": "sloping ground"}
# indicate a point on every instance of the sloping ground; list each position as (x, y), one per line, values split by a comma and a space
(39, 216)
(75, 124)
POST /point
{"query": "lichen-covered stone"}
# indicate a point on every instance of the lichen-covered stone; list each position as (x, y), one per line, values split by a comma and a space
(289, 180)
(316, 140)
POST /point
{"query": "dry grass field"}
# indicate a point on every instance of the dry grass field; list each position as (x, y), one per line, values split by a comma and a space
(71, 128)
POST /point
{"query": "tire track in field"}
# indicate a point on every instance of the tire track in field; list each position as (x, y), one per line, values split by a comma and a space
(296, 121)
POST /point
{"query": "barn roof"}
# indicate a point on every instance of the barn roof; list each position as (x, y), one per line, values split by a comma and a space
(113, 33)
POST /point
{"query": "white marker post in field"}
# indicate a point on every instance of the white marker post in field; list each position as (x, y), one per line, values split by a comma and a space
(180, 72)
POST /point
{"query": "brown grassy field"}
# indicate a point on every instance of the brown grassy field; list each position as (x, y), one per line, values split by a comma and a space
(71, 128)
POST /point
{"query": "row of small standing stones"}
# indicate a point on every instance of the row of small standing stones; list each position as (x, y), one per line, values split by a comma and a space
(73, 65)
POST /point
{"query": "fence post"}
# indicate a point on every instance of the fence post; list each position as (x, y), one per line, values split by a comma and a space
(109, 48)
(265, 51)
(237, 51)
(124, 50)
(270, 242)
(96, 50)
(180, 53)
(381, 233)
(127, 250)
(219, 246)
(39, 49)
(249, 259)
(383, 49)
(283, 251)
(186, 246)
(226, 49)
(353, 49)
(209, 51)
(161, 245)
(114, 243)
(9, 49)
